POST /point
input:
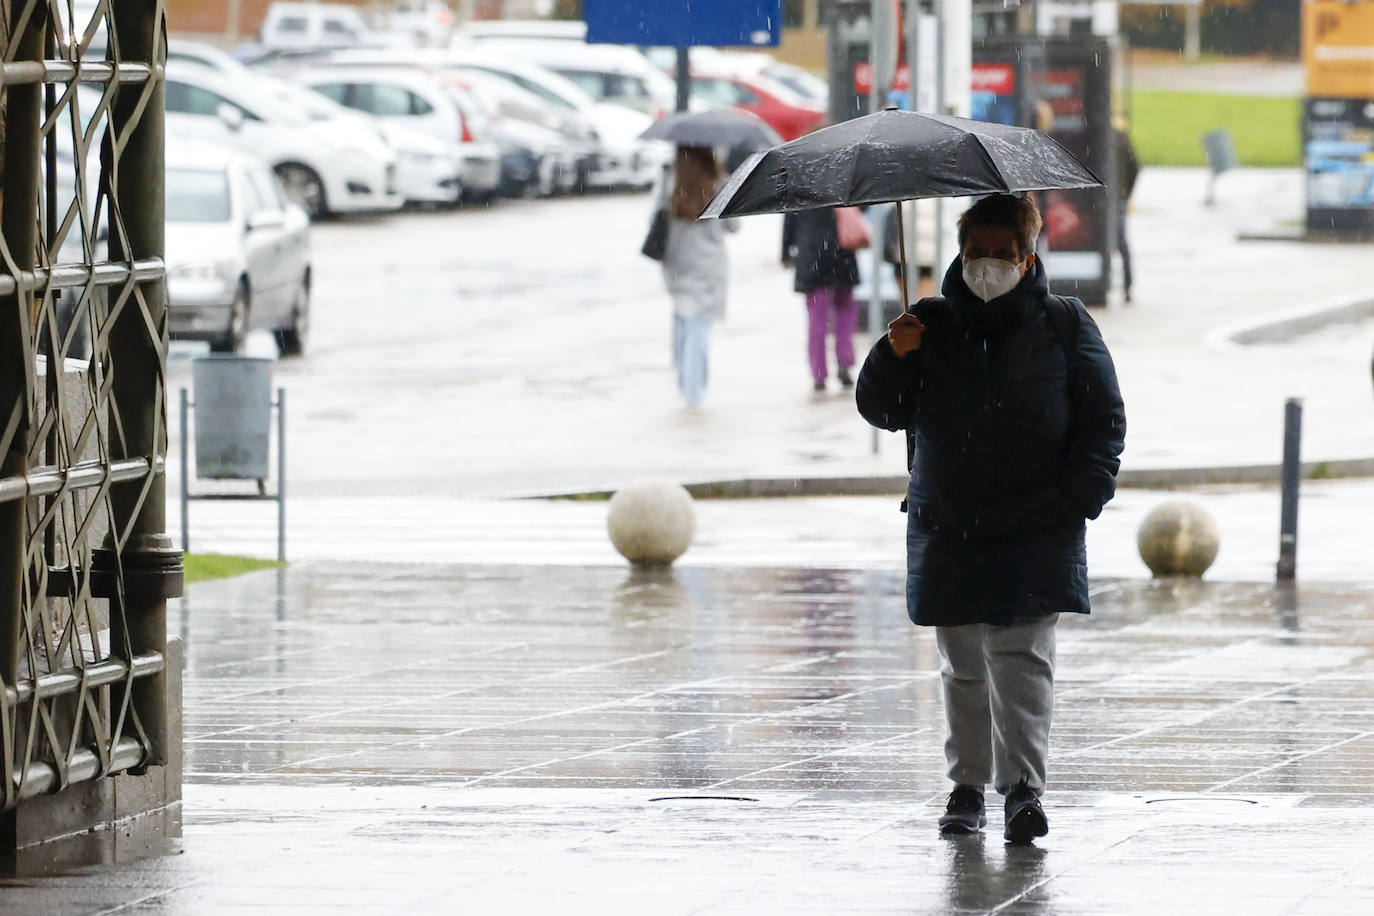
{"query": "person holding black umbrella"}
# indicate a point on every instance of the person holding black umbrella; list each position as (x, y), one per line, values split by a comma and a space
(1014, 423)
(1012, 400)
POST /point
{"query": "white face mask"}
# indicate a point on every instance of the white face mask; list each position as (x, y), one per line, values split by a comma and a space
(991, 277)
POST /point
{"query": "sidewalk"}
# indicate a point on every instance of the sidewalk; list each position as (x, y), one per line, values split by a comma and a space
(510, 739)
(1334, 541)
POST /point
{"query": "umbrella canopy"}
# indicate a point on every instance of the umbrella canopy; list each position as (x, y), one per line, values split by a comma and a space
(720, 127)
(894, 156)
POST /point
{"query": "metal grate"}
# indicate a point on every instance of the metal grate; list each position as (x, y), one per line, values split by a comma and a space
(85, 568)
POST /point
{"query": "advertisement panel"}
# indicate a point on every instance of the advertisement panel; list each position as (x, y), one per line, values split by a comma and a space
(1338, 116)
(1338, 143)
(1073, 105)
(1338, 48)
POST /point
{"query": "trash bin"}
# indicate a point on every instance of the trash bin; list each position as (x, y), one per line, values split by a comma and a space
(1221, 157)
(233, 397)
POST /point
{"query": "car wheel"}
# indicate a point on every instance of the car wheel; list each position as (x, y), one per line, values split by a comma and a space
(291, 339)
(236, 331)
(304, 187)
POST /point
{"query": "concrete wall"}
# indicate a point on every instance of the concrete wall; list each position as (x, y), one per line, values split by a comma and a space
(68, 829)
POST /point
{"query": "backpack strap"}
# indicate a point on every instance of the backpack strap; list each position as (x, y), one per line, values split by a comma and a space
(910, 458)
(1063, 317)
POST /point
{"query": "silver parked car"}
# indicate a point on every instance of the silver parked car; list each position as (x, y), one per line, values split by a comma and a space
(238, 252)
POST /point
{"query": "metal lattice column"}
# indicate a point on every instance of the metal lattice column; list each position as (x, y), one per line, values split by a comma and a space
(82, 432)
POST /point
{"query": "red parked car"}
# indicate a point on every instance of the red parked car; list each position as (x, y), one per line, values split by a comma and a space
(781, 108)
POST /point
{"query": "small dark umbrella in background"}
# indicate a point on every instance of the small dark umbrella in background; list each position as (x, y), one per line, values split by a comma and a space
(894, 156)
(719, 127)
(741, 132)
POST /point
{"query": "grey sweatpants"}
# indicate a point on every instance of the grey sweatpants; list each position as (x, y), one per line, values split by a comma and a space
(999, 699)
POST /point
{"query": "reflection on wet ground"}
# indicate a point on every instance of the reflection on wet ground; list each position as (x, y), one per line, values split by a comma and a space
(499, 739)
(748, 680)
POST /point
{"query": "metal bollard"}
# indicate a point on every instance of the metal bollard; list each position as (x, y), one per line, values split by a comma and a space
(1290, 481)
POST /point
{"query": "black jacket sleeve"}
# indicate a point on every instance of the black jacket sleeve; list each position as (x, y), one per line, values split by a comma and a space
(1097, 432)
(789, 235)
(886, 388)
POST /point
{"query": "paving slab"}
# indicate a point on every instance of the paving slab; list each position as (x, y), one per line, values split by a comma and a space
(498, 738)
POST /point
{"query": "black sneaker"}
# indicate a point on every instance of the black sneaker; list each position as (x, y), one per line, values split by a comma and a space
(1025, 818)
(818, 386)
(964, 812)
(846, 380)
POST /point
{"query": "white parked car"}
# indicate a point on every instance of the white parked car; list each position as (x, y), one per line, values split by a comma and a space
(297, 26)
(621, 158)
(428, 171)
(608, 73)
(800, 80)
(522, 118)
(237, 251)
(418, 102)
(429, 22)
(542, 29)
(326, 166)
(208, 56)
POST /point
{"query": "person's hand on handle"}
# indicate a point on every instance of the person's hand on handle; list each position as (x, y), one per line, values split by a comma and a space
(904, 334)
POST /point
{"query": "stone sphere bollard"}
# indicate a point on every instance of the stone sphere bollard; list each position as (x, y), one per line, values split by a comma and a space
(1178, 539)
(651, 522)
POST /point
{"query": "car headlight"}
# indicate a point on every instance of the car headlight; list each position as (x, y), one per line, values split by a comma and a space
(201, 271)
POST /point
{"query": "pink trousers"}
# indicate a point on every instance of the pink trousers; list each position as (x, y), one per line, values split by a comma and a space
(831, 308)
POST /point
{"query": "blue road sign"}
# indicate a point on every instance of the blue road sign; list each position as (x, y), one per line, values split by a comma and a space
(684, 23)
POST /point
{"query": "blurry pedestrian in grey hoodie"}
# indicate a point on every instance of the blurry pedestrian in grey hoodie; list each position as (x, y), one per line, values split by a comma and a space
(694, 265)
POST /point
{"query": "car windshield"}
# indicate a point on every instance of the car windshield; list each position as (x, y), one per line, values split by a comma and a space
(197, 196)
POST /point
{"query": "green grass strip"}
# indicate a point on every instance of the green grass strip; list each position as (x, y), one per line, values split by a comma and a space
(201, 567)
(1167, 127)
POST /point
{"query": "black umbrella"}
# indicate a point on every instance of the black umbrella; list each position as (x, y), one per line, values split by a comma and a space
(895, 156)
(720, 127)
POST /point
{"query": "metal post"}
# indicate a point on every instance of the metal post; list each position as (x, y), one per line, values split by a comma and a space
(232, 20)
(876, 35)
(19, 229)
(1290, 481)
(148, 565)
(1192, 31)
(910, 221)
(938, 258)
(684, 78)
(281, 475)
(185, 473)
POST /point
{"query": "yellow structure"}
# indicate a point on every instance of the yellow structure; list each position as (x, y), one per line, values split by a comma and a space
(1338, 48)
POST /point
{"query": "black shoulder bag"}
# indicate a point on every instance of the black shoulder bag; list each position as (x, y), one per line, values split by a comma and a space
(656, 242)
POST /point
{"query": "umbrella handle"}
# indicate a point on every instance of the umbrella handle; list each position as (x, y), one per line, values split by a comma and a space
(901, 254)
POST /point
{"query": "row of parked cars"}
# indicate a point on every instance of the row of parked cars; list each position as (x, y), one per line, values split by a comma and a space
(266, 139)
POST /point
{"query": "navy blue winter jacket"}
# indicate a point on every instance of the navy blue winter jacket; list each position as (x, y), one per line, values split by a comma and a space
(811, 239)
(1015, 448)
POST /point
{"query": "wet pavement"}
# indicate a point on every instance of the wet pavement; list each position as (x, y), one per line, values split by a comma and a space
(1334, 542)
(440, 739)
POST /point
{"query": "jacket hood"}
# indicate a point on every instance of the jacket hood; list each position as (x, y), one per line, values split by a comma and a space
(1009, 310)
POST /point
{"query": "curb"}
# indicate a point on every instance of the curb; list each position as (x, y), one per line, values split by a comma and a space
(1281, 328)
(895, 485)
